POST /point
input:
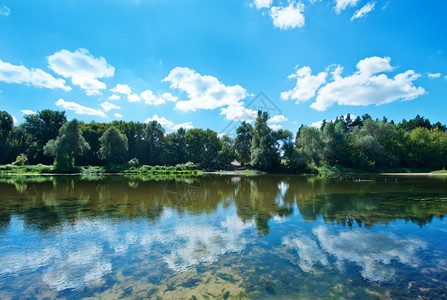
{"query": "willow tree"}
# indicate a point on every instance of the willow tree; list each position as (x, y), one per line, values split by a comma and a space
(68, 145)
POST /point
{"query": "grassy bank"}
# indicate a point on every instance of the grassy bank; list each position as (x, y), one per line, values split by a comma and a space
(181, 169)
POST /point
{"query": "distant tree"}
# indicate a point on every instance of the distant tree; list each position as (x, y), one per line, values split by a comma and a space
(153, 143)
(242, 143)
(309, 143)
(41, 128)
(202, 147)
(334, 139)
(92, 132)
(6, 126)
(68, 145)
(18, 142)
(114, 146)
(226, 154)
(264, 153)
(175, 147)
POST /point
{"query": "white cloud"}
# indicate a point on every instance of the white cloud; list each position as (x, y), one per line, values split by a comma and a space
(295, 122)
(204, 92)
(288, 17)
(306, 85)
(262, 3)
(364, 11)
(134, 98)
(343, 4)
(109, 106)
(82, 68)
(149, 98)
(169, 97)
(368, 85)
(275, 126)
(123, 89)
(239, 113)
(28, 112)
(79, 109)
(277, 119)
(317, 124)
(187, 125)
(14, 120)
(169, 124)
(10, 73)
(433, 75)
(4, 11)
(162, 120)
(117, 115)
(114, 97)
(207, 92)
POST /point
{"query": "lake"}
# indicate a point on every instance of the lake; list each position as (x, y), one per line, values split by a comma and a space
(225, 237)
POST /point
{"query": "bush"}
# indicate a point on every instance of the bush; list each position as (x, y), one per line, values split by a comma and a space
(21, 160)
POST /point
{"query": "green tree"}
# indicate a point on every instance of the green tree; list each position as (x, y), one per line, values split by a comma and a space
(41, 128)
(334, 139)
(309, 143)
(175, 147)
(202, 147)
(114, 146)
(264, 153)
(242, 143)
(68, 145)
(226, 153)
(153, 143)
(6, 126)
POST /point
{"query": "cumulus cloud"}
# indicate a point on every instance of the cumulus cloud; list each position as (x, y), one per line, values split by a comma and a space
(10, 73)
(123, 89)
(262, 3)
(275, 126)
(373, 252)
(364, 11)
(4, 11)
(317, 124)
(149, 98)
(83, 69)
(368, 85)
(433, 75)
(187, 125)
(117, 115)
(207, 92)
(14, 120)
(134, 98)
(343, 4)
(114, 97)
(80, 109)
(239, 113)
(277, 119)
(169, 124)
(28, 112)
(109, 106)
(288, 17)
(306, 85)
(204, 92)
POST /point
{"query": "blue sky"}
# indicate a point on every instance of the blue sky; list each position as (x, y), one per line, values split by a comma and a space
(198, 63)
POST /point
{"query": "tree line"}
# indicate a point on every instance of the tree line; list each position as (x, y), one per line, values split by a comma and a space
(361, 143)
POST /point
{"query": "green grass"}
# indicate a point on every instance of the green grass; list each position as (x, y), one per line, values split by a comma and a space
(181, 169)
(443, 171)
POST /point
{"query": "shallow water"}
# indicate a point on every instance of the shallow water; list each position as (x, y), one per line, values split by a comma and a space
(226, 237)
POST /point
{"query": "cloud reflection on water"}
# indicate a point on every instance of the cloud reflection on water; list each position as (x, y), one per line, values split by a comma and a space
(82, 254)
(373, 252)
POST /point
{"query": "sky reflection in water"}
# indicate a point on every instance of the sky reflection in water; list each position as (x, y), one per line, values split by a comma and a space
(77, 238)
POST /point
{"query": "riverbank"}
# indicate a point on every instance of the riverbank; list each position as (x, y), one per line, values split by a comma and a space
(191, 169)
(181, 169)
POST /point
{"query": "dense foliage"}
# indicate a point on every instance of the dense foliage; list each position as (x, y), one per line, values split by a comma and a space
(361, 143)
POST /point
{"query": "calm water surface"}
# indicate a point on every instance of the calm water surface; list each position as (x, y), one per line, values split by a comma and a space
(226, 237)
